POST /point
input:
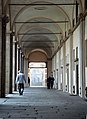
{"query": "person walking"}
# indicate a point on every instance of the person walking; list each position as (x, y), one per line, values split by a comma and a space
(20, 80)
(51, 81)
(48, 83)
(28, 80)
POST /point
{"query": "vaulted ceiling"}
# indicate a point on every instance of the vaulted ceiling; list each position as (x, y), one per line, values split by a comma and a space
(41, 24)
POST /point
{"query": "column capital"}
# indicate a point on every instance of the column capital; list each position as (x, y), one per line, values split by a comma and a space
(26, 57)
(18, 47)
(81, 17)
(12, 33)
(5, 18)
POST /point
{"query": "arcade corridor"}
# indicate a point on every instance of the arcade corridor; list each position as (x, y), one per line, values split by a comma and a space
(49, 31)
(53, 32)
(42, 103)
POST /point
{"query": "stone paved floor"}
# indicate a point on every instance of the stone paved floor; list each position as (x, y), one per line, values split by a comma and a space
(42, 103)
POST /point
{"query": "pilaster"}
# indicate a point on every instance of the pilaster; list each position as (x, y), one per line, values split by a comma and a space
(83, 57)
(59, 71)
(70, 66)
(64, 67)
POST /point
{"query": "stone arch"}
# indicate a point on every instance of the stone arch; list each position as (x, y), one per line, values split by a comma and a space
(37, 56)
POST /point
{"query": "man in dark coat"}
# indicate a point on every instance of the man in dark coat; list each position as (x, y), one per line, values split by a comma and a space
(51, 81)
(48, 83)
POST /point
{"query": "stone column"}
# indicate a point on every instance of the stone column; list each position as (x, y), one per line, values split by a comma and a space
(22, 62)
(15, 64)
(49, 67)
(26, 70)
(18, 59)
(0, 43)
(11, 63)
(3, 55)
(15, 74)
(7, 63)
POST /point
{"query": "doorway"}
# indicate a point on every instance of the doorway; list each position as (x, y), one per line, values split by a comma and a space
(37, 74)
(61, 78)
(77, 79)
(68, 79)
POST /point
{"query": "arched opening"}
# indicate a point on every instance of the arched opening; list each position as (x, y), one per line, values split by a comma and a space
(37, 73)
(37, 68)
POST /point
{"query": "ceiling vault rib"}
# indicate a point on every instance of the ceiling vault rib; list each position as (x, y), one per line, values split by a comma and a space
(37, 33)
(44, 4)
(38, 46)
(43, 22)
(40, 41)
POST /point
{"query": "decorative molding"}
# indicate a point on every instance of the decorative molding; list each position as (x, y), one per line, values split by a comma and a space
(5, 18)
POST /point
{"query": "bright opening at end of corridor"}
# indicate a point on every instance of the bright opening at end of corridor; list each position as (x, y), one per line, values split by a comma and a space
(37, 74)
